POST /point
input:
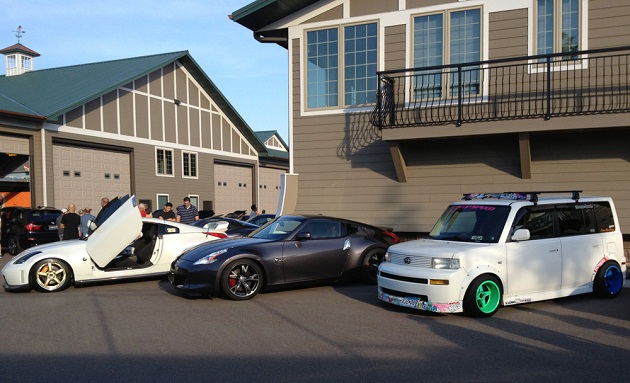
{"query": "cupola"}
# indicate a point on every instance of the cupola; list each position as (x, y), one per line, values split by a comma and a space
(18, 58)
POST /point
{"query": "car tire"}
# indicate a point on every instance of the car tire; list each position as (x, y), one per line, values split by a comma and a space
(51, 275)
(370, 264)
(241, 280)
(483, 297)
(608, 281)
(14, 245)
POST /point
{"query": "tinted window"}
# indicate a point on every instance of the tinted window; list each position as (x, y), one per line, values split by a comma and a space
(538, 220)
(471, 223)
(603, 216)
(324, 229)
(576, 219)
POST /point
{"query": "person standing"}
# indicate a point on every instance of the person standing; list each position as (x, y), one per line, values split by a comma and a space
(143, 209)
(58, 222)
(70, 223)
(187, 213)
(86, 218)
(254, 211)
(166, 214)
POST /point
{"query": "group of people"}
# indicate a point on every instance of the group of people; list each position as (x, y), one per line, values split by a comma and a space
(73, 225)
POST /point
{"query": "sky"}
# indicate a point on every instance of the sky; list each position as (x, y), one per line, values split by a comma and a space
(252, 76)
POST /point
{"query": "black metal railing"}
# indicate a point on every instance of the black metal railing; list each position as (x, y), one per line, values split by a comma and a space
(542, 86)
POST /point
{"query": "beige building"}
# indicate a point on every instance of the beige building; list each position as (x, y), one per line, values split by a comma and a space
(154, 126)
(398, 107)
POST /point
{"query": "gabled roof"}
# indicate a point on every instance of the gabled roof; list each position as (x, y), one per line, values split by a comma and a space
(263, 136)
(48, 93)
(261, 13)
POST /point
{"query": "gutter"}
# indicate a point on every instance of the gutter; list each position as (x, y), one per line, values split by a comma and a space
(264, 39)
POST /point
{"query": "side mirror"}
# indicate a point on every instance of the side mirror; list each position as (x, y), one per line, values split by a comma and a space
(521, 235)
(303, 235)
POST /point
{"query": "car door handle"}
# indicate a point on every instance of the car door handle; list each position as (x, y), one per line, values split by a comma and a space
(554, 250)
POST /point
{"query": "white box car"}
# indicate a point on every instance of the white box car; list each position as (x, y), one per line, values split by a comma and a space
(503, 249)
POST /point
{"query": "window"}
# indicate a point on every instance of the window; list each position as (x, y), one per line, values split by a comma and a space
(357, 69)
(26, 62)
(539, 221)
(430, 49)
(558, 26)
(162, 199)
(11, 61)
(164, 161)
(189, 164)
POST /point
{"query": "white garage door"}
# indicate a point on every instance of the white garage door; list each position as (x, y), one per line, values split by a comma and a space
(233, 188)
(83, 176)
(269, 189)
(17, 145)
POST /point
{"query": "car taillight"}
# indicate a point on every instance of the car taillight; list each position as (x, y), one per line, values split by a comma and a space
(32, 227)
(392, 236)
(218, 235)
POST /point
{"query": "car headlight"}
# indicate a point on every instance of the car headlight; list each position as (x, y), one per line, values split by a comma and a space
(386, 257)
(445, 263)
(25, 257)
(207, 259)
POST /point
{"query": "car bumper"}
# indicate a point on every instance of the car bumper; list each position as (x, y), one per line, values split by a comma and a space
(15, 279)
(189, 278)
(417, 288)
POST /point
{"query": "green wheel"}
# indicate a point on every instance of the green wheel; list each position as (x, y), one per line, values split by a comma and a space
(483, 297)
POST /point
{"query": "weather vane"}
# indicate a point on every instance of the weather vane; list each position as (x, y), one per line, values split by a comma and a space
(19, 33)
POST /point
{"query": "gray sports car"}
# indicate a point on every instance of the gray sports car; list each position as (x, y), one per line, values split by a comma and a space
(289, 250)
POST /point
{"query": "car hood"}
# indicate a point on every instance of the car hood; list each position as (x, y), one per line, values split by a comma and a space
(238, 244)
(432, 248)
(60, 247)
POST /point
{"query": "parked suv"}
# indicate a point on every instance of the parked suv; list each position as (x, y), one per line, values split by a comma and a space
(503, 249)
(23, 227)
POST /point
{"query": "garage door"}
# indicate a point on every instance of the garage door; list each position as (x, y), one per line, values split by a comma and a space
(233, 188)
(14, 145)
(83, 176)
(269, 189)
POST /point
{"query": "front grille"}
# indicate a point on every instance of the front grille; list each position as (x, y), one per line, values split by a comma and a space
(413, 260)
(177, 279)
(423, 281)
(400, 294)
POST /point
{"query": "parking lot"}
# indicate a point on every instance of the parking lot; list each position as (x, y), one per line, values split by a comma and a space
(145, 331)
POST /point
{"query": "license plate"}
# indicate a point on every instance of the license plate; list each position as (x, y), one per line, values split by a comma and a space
(51, 227)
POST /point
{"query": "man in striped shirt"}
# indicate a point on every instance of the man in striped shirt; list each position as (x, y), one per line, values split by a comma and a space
(187, 213)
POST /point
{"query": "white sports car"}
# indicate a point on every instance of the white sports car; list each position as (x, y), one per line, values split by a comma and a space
(106, 254)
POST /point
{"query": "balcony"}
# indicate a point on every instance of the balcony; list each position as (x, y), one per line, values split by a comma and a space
(545, 86)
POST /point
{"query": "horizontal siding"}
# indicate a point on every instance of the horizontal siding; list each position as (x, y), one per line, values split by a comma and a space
(608, 23)
(508, 34)
(395, 47)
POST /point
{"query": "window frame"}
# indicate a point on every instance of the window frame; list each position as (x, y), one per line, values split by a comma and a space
(341, 66)
(196, 164)
(157, 167)
(557, 41)
(447, 82)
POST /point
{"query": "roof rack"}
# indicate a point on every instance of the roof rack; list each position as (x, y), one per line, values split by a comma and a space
(532, 196)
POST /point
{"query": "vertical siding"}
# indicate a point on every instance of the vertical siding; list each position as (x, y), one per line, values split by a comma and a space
(169, 122)
(168, 81)
(193, 120)
(142, 115)
(156, 119)
(508, 34)
(93, 115)
(411, 4)
(110, 112)
(125, 102)
(182, 124)
(155, 83)
(332, 14)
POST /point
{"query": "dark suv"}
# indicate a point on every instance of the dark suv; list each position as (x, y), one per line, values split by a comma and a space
(23, 227)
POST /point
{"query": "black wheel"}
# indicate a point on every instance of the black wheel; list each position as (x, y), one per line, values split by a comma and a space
(241, 280)
(608, 280)
(483, 297)
(14, 245)
(370, 265)
(51, 275)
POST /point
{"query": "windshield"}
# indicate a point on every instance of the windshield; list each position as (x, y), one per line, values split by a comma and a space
(279, 228)
(471, 223)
